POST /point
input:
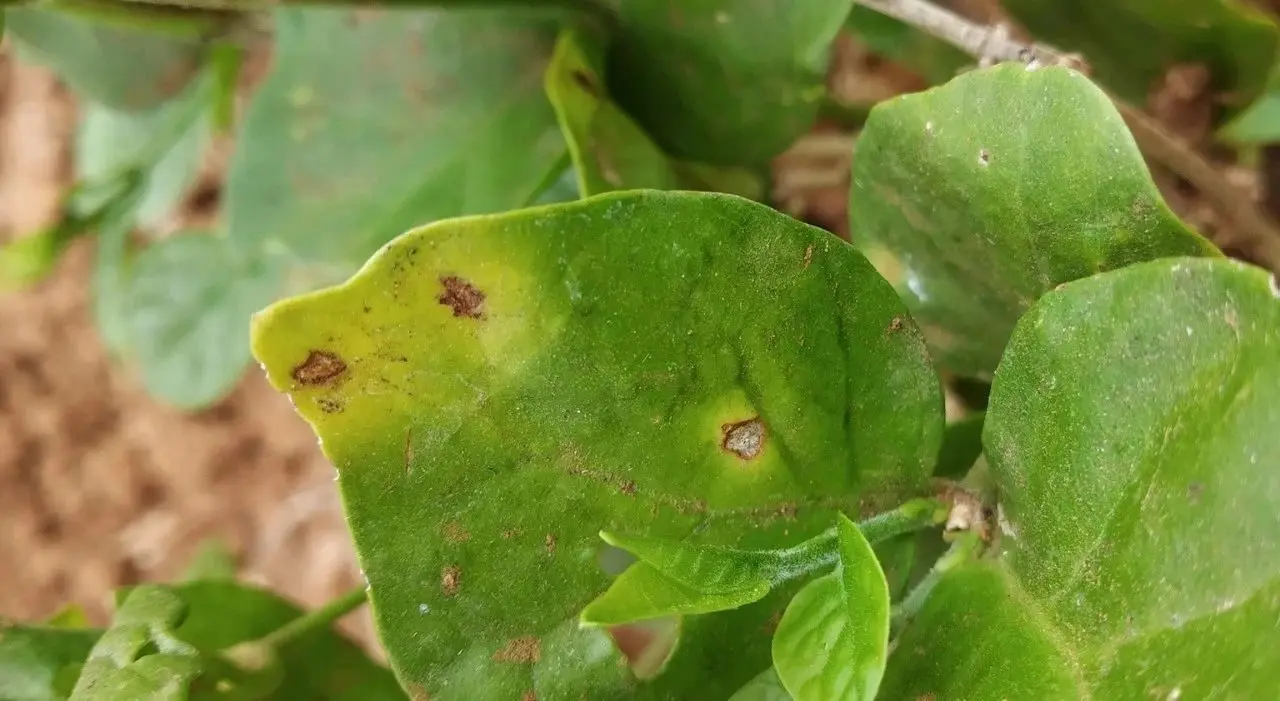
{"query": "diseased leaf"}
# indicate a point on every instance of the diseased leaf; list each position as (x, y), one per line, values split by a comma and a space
(373, 121)
(610, 152)
(41, 663)
(1129, 44)
(496, 390)
(833, 640)
(125, 67)
(997, 187)
(1130, 431)
(727, 82)
(189, 300)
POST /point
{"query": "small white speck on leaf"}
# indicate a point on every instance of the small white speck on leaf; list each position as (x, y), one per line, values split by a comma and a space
(984, 158)
(424, 609)
(722, 17)
(1189, 332)
(1174, 694)
(928, 126)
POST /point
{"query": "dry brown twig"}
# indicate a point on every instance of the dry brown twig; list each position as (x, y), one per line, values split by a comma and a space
(994, 44)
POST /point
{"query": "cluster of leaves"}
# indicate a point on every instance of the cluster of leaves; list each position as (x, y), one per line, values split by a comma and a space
(561, 426)
(205, 637)
(353, 135)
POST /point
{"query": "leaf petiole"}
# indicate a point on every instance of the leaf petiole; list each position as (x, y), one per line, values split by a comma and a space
(317, 619)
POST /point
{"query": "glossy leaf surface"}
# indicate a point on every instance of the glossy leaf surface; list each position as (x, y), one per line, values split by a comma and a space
(496, 390)
(997, 187)
(833, 640)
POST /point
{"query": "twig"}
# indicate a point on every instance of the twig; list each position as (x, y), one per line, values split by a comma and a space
(993, 44)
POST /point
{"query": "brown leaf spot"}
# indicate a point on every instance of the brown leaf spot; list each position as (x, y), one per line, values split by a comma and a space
(550, 543)
(984, 157)
(808, 256)
(510, 533)
(584, 81)
(628, 487)
(330, 405)
(529, 696)
(895, 325)
(450, 580)
(455, 533)
(320, 367)
(745, 439)
(461, 296)
(526, 650)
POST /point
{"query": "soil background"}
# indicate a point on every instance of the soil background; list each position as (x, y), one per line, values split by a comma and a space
(102, 486)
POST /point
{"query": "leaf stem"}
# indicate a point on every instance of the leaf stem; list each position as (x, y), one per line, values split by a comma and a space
(821, 551)
(993, 44)
(317, 619)
(962, 550)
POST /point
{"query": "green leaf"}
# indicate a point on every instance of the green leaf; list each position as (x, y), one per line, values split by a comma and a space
(373, 121)
(494, 391)
(961, 446)
(31, 258)
(319, 665)
(1129, 44)
(213, 560)
(118, 65)
(163, 146)
(111, 271)
(766, 687)
(935, 60)
(997, 187)
(728, 82)
(139, 657)
(833, 640)
(610, 152)
(1260, 122)
(39, 663)
(189, 301)
(1129, 428)
(644, 593)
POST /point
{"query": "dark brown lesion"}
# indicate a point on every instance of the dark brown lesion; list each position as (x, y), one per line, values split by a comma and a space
(586, 82)
(462, 297)
(744, 439)
(321, 367)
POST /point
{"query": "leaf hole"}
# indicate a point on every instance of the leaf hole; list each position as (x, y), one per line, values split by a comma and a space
(984, 157)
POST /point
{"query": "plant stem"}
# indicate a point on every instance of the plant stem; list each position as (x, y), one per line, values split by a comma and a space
(912, 516)
(318, 619)
(993, 44)
(962, 550)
